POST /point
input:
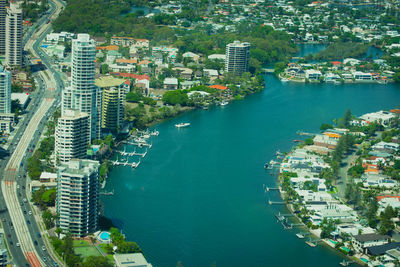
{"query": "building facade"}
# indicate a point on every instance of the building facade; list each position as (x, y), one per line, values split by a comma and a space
(5, 91)
(14, 35)
(113, 108)
(78, 196)
(3, 14)
(237, 57)
(83, 95)
(72, 136)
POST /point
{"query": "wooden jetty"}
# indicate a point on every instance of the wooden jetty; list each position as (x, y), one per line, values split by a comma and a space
(111, 193)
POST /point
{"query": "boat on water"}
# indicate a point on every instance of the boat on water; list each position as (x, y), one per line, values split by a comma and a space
(300, 235)
(155, 133)
(266, 165)
(183, 124)
(224, 103)
(272, 162)
(284, 80)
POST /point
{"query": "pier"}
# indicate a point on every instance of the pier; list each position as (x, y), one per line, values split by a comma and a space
(111, 193)
(134, 153)
(140, 145)
(305, 133)
(271, 188)
(126, 163)
(276, 202)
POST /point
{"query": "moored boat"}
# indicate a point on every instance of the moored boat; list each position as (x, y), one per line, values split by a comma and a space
(181, 125)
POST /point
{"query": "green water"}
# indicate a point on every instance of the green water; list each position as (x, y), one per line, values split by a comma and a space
(198, 195)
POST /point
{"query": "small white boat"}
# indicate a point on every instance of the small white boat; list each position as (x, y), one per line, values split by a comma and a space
(155, 133)
(224, 103)
(273, 162)
(300, 235)
(183, 124)
(284, 80)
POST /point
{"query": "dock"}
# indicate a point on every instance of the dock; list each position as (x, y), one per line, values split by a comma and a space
(140, 145)
(305, 133)
(111, 193)
(276, 202)
(134, 153)
(271, 188)
(346, 263)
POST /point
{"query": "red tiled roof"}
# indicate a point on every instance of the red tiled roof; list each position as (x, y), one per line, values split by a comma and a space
(219, 87)
(379, 198)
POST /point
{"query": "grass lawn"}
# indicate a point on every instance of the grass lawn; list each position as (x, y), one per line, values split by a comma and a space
(84, 249)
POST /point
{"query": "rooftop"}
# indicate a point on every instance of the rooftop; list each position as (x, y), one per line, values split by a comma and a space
(108, 81)
(370, 237)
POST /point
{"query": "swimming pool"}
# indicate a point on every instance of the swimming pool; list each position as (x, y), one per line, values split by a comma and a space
(104, 237)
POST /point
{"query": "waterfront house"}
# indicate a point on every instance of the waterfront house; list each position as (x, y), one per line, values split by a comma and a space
(331, 77)
(382, 249)
(325, 141)
(360, 76)
(313, 75)
(382, 117)
(363, 241)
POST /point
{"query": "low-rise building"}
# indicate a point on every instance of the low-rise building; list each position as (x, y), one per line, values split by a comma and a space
(363, 241)
(313, 75)
(382, 117)
(131, 260)
(171, 83)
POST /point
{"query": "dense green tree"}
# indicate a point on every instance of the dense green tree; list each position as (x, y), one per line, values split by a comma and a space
(97, 261)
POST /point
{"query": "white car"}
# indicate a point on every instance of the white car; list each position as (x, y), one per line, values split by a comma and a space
(43, 248)
(18, 244)
(30, 212)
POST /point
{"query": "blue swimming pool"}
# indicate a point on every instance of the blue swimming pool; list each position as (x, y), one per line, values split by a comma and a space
(104, 237)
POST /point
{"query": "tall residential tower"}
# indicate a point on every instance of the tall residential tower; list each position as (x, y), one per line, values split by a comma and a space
(5, 91)
(3, 14)
(72, 136)
(237, 57)
(83, 95)
(78, 196)
(14, 35)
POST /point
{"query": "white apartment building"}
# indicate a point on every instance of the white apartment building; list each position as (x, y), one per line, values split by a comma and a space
(83, 95)
(5, 91)
(237, 57)
(14, 35)
(78, 196)
(72, 136)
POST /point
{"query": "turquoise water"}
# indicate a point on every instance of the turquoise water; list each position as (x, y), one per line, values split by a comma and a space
(105, 236)
(198, 195)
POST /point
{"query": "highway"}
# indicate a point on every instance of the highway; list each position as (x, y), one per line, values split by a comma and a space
(22, 232)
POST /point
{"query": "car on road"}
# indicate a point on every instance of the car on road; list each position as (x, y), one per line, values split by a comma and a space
(43, 248)
(11, 243)
(36, 243)
(44, 259)
(17, 244)
(17, 186)
(24, 211)
(28, 222)
(30, 212)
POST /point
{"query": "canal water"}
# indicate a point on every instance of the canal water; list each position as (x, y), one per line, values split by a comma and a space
(198, 195)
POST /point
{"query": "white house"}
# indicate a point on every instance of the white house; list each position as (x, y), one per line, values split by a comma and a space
(313, 74)
(363, 241)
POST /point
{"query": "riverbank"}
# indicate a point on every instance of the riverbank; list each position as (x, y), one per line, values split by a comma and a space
(214, 169)
(309, 187)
